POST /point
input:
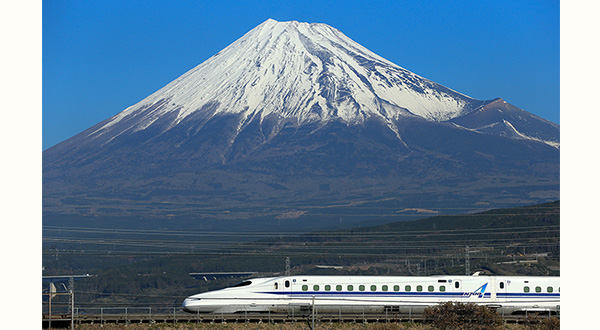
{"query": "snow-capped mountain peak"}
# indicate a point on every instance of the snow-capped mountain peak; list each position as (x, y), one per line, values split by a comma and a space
(298, 72)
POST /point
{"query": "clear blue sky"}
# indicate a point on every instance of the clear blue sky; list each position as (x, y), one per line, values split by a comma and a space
(100, 57)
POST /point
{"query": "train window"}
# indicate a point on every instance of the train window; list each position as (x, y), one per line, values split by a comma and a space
(350, 288)
(525, 289)
(501, 285)
(245, 283)
(550, 289)
(276, 285)
(328, 287)
(538, 289)
(315, 287)
(396, 288)
(338, 288)
(287, 284)
(407, 288)
(361, 287)
(305, 287)
(373, 287)
(457, 284)
(430, 288)
(441, 281)
(442, 288)
(384, 288)
(419, 288)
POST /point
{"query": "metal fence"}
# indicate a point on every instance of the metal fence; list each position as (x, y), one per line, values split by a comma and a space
(170, 314)
(174, 314)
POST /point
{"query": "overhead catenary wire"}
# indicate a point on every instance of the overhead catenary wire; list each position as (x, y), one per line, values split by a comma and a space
(432, 237)
(213, 242)
(302, 251)
(320, 244)
(453, 238)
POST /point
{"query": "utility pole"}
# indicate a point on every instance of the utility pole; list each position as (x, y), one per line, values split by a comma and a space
(287, 266)
(72, 298)
(51, 291)
(313, 313)
(467, 261)
(70, 292)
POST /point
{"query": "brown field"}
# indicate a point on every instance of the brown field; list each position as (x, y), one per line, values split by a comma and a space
(289, 326)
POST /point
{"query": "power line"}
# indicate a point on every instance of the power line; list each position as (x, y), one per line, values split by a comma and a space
(261, 253)
(270, 234)
(334, 245)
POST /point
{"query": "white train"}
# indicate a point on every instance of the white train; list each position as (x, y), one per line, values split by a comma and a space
(377, 294)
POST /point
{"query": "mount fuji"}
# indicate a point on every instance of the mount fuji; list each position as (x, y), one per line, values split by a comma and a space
(296, 122)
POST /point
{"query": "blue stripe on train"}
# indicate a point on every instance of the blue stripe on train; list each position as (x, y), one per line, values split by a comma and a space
(309, 294)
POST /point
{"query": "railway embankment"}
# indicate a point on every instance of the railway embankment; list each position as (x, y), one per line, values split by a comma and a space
(533, 324)
(545, 324)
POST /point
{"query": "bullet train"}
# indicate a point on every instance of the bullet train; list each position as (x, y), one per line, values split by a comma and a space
(378, 294)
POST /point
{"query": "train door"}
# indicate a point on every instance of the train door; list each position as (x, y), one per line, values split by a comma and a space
(457, 289)
(501, 289)
(287, 288)
(493, 289)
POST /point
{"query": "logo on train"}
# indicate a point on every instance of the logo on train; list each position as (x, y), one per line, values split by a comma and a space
(478, 292)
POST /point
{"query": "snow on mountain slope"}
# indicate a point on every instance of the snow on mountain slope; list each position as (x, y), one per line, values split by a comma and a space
(298, 72)
(497, 117)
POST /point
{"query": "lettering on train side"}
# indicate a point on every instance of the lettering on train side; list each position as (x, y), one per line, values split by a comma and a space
(478, 292)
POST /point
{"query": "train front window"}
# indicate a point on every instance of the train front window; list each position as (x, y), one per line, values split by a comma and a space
(245, 283)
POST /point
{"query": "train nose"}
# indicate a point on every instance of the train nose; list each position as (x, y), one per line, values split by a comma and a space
(188, 304)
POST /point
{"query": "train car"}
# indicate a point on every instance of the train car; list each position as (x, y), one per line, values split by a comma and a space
(378, 294)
